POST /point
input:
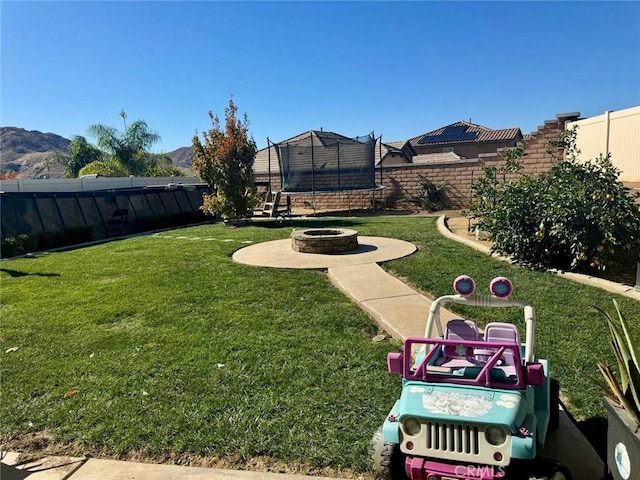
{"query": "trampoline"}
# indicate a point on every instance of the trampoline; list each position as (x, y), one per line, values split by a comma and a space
(326, 162)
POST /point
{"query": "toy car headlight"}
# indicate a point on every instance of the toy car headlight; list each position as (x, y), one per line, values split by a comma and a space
(411, 426)
(496, 436)
(464, 285)
(501, 287)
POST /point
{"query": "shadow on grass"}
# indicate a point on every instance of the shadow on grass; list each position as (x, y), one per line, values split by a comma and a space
(17, 273)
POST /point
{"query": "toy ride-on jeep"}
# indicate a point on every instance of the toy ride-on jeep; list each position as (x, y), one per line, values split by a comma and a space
(474, 406)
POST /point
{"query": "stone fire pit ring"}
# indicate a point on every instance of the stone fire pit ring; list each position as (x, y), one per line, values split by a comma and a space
(324, 240)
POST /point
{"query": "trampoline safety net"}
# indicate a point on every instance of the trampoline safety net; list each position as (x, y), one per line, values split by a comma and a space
(327, 162)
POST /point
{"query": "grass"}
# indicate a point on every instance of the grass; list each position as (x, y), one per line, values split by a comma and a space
(568, 331)
(162, 345)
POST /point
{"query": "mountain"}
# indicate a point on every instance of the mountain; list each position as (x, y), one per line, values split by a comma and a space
(182, 158)
(25, 152)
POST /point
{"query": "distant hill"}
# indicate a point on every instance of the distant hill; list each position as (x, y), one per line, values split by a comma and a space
(25, 152)
(182, 158)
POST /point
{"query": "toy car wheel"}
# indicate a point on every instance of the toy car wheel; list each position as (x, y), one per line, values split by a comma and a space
(554, 405)
(547, 469)
(388, 460)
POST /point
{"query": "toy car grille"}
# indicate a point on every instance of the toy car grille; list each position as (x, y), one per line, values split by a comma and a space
(452, 437)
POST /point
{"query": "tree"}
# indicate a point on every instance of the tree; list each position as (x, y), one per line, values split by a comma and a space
(162, 166)
(225, 162)
(128, 148)
(80, 154)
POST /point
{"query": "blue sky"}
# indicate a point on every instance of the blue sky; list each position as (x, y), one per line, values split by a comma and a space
(398, 69)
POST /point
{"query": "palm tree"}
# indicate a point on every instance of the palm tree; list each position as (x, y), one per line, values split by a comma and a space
(128, 148)
(80, 154)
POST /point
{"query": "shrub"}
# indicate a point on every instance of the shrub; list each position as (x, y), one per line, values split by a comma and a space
(225, 162)
(431, 196)
(8, 247)
(577, 216)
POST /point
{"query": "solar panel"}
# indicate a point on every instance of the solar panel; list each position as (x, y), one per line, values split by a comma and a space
(448, 137)
(450, 134)
(451, 129)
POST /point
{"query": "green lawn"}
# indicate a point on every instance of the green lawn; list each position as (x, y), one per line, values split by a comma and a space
(175, 350)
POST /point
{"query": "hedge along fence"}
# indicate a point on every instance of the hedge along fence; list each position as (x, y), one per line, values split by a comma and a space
(35, 221)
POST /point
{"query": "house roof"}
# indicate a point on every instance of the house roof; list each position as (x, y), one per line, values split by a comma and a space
(437, 158)
(464, 132)
(261, 162)
(319, 138)
(389, 148)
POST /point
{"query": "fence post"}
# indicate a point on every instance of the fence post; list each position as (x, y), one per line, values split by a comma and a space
(607, 122)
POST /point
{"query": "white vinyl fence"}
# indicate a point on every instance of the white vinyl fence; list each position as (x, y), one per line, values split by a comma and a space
(615, 132)
(89, 183)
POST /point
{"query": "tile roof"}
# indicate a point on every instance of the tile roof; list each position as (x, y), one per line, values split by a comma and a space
(385, 148)
(261, 162)
(484, 134)
(438, 158)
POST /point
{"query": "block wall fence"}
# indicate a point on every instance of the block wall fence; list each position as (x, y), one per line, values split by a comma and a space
(402, 183)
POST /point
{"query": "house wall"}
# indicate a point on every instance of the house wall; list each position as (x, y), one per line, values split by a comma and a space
(471, 150)
(402, 183)
(394, 159)
(614, 132)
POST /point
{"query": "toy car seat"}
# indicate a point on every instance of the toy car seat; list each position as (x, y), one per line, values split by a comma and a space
(459, 329)
(505, 333)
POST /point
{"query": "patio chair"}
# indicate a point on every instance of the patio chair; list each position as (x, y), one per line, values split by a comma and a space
(119, 221)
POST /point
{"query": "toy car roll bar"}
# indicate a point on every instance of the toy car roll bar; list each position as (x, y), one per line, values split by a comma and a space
(467, 298)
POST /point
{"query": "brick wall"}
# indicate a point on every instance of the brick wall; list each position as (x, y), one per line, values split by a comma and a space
(401, 183)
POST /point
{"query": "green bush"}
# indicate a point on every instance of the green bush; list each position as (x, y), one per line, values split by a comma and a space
(23, 243)
(12, 246)
(8, 247)
(431, 196)
(577, 216)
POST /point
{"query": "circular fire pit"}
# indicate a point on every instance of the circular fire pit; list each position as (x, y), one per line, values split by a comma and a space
(324, 240)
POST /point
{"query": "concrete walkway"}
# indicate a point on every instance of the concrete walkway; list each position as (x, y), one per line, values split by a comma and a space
(401, 311)
(65, 468)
